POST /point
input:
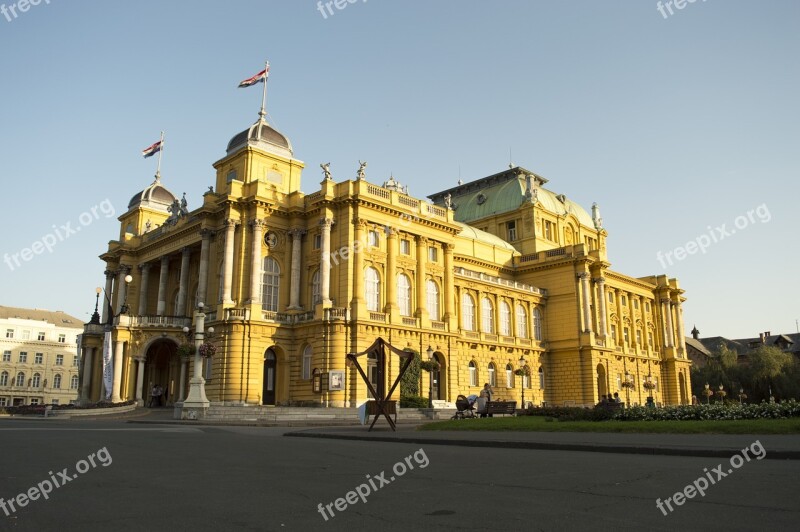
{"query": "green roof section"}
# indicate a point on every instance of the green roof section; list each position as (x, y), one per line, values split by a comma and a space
(505, 192)
(467, 231)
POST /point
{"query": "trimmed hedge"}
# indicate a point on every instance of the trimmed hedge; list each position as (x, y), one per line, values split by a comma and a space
(714, 411)
(413, 401)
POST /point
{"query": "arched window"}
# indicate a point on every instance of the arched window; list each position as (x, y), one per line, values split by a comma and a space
(473, 374)
(37, 380)
(537, 324)
(316, 295)
(526, 379)
(505, 319)
(20, 379)
(4, 378)
(432, 290)
(404, 294)
(270, 284)
(467, 312)
(307, 355)
(57, 381)
(373, 289)
(487, 315)
(492, 375)
(509, 376)
(541, 378)
(522, 322)
(73, 382)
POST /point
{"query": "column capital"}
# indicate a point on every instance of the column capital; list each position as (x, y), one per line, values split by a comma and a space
(230, 222)
(360, 223)
(448, 247)
(422, 240)
(391, 232)
(109, 274)
(144, 267)
(599, 280)
(326, 223)
(206, 233)
(296, 232)
(186, 250)
(257, 223)
(583, 276)
(124, 268)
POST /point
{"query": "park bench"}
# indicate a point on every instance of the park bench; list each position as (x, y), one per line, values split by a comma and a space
(501, 407)
(389, 407)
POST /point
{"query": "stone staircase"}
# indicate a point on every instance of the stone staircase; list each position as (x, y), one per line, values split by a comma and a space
(283, 416)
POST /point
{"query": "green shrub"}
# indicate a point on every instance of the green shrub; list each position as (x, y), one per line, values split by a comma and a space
(413, 401)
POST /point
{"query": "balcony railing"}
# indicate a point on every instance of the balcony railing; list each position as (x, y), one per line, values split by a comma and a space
(498, 281)
(377, 316)
(178, 322)
(438, 325)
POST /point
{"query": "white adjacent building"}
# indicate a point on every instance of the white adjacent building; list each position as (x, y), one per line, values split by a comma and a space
(39, 362)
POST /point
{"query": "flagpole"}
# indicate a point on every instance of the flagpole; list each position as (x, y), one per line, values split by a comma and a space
(263, 112)
(160, 151)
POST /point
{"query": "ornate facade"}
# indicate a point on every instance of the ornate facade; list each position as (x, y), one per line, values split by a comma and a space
(491, 275)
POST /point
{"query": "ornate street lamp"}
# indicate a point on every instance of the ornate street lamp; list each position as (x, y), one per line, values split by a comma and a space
(708, 393)
(124, 308)
(522, 362)
(96, 316)
(430, 377)
(197, 389)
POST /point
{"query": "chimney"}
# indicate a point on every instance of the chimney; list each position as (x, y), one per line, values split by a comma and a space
(695, 333)
(767, 334)
(761, 337)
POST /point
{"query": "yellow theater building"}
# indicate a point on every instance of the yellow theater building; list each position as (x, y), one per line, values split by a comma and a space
(489, 276)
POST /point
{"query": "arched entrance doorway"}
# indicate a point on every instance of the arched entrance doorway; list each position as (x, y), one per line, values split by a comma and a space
(163, 368)
(602, 383)
(270, 375)
(439, 388)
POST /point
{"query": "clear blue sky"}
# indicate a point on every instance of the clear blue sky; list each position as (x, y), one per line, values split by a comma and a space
(673, 125)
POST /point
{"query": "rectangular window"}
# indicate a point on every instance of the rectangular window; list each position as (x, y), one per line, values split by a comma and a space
(59, 360)
(9, 333)
(75, 360)
(62, 338)
(405, 247)
(34, 400)
(548, 230)
(636, 304)
(624, 301)
(374, 238)
(6, 356)
(638, 337)
(611, 297)
(3, 401)
(23, 357)
(38, 358)
(317, 241)
(54, 401)
(41, 337)
(433, 254)
(619, 382)
(650, 340)
(26, 335)
(625, 334)
(207, 366)
(614, 332)
(511, 230)
(231, 176)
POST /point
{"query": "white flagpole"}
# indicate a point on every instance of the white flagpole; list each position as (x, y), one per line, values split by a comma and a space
(160, 151)
(263, 112)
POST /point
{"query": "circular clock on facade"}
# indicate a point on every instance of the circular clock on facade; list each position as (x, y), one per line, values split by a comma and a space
(271, 239)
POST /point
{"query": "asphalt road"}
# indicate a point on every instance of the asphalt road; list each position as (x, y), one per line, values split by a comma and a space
(150, 477)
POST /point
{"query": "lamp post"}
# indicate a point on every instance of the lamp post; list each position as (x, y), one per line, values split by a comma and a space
(741, 393)
(96, 316)
(522, 362)
(197, 386)
(627, 388)
(124, 308)
(430, 378)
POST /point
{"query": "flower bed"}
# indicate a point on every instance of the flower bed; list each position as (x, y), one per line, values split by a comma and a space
(714, 411)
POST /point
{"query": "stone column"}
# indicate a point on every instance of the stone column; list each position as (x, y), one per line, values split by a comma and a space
(448, 290)
(255, 261)
(297, 250)
(668, 333)
(587, 313)
(325, 262)
(108, 294)
(140, 367)
(122, 287)
(422, 256)
(391, 271)
(601, 294)
(358, 266)
(145, 280)
(87, 373)
(162, 286)
(620, 318)
(115, 387)
(227, 265)
(202, 283)
(183, 285)
(681, 336)
(182, 382)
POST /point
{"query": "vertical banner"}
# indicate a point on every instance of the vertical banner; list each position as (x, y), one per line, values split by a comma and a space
(108, 370)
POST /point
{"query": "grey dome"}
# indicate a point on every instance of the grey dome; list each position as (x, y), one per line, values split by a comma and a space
(155, 196)
(262, 135)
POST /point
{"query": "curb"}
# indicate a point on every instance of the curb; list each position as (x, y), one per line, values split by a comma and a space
(653, 451)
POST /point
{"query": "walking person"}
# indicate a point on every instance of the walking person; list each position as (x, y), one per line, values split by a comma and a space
(154, 396)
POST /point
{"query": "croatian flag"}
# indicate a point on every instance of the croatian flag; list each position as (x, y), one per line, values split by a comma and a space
(152, 150)
(258, 78)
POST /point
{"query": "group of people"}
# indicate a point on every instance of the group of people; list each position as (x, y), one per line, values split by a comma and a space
(480, 400)
(155, 395)
(609, 399)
